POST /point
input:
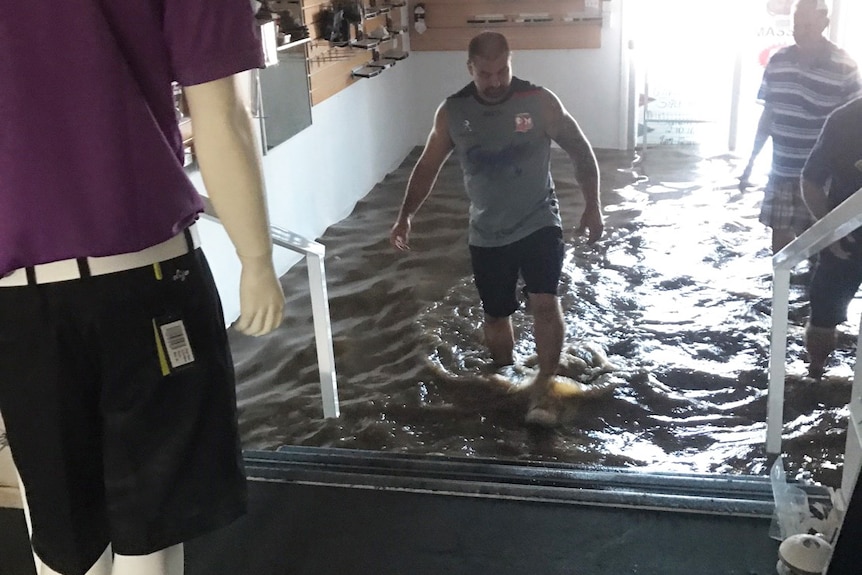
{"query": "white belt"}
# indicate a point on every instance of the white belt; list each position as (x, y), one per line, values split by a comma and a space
(72, 269)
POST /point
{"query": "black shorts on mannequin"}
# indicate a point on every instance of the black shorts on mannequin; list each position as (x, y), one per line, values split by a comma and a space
(123, 411)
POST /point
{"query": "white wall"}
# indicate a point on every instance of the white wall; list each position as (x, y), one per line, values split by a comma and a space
(846, 15)
(364, 132)
(590, 83)
(314, 179)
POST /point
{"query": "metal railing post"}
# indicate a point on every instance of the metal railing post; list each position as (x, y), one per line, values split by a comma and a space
(841, 221)
(313, 253)
(777, 355)
(323, 335)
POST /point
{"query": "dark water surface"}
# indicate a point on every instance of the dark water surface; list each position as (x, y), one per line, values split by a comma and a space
(677, 295)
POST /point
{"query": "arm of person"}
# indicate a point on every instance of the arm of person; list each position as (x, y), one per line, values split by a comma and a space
(816, 172)
(229, 160)
(438, 147)
(764, 129)
(814, 195)
(565, 131)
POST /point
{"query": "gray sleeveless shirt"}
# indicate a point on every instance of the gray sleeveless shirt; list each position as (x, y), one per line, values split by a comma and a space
(504, 152)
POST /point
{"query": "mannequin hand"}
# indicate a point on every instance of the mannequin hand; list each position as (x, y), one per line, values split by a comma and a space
(260, 295)
(591, 221)
(399, 235)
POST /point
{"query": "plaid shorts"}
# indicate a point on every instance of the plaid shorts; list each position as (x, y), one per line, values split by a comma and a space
(783, 207)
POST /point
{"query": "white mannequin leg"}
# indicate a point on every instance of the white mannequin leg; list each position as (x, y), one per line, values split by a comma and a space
(168, 561)
(36, 559)
(101, 567)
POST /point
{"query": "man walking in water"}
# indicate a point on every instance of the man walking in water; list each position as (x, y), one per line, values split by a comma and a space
(833, 173)
(802, 85)
(501, 128)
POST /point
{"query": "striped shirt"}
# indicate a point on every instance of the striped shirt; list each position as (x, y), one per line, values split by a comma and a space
(802, 96)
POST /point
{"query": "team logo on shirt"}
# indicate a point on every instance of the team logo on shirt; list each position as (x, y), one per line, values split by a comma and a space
(523, 122)
(858, 165)
(466, 126)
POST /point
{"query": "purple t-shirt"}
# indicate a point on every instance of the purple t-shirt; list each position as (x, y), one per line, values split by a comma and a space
(90, 152)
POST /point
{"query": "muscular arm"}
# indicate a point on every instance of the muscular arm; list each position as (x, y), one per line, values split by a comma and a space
(564, 130)
(437, 148)
(228, 154)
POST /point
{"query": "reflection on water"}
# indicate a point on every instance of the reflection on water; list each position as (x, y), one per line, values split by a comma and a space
(677, 295)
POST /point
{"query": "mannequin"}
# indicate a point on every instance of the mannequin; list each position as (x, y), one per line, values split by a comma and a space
(230, 165)
(116, 382)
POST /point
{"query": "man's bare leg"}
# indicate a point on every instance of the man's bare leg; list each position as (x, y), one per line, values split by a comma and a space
(548, 332)
(819, 343)
(500, 340)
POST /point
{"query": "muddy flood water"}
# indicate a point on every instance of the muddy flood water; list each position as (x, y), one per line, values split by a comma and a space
(677, 296)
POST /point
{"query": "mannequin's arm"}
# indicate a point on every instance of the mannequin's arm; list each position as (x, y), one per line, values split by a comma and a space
(229, 160)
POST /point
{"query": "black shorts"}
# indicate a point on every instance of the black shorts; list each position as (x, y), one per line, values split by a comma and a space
(833, 285)
(123, 430)
(538, 259)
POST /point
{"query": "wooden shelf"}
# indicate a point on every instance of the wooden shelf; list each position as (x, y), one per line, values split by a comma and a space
(528, 24)
(333, 68)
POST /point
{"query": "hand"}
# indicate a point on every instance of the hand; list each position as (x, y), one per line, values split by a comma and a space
(838, 250)
(399, 234)
(261, 299)
(592, 220)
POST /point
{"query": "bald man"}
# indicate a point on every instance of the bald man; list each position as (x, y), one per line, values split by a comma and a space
(501, 129)
(802, 85)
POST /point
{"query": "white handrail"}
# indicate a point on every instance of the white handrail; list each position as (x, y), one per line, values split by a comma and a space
(313, 253)
(833, 226)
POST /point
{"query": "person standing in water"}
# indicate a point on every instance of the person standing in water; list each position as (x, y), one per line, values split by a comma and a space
(501, 129)
(835, 164)
(802, 85)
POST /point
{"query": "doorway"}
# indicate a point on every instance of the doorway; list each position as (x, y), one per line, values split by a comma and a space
(700, 64)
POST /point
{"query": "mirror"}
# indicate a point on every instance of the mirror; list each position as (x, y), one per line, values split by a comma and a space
(285, 106)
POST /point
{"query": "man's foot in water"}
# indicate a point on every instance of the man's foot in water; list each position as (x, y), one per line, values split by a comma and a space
(819, 343)
(543, 411)
(544, 408)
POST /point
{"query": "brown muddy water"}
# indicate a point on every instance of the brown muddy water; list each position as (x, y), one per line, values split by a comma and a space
(677, 295)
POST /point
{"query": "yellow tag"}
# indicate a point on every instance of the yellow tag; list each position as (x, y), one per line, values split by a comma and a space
(160, 350)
